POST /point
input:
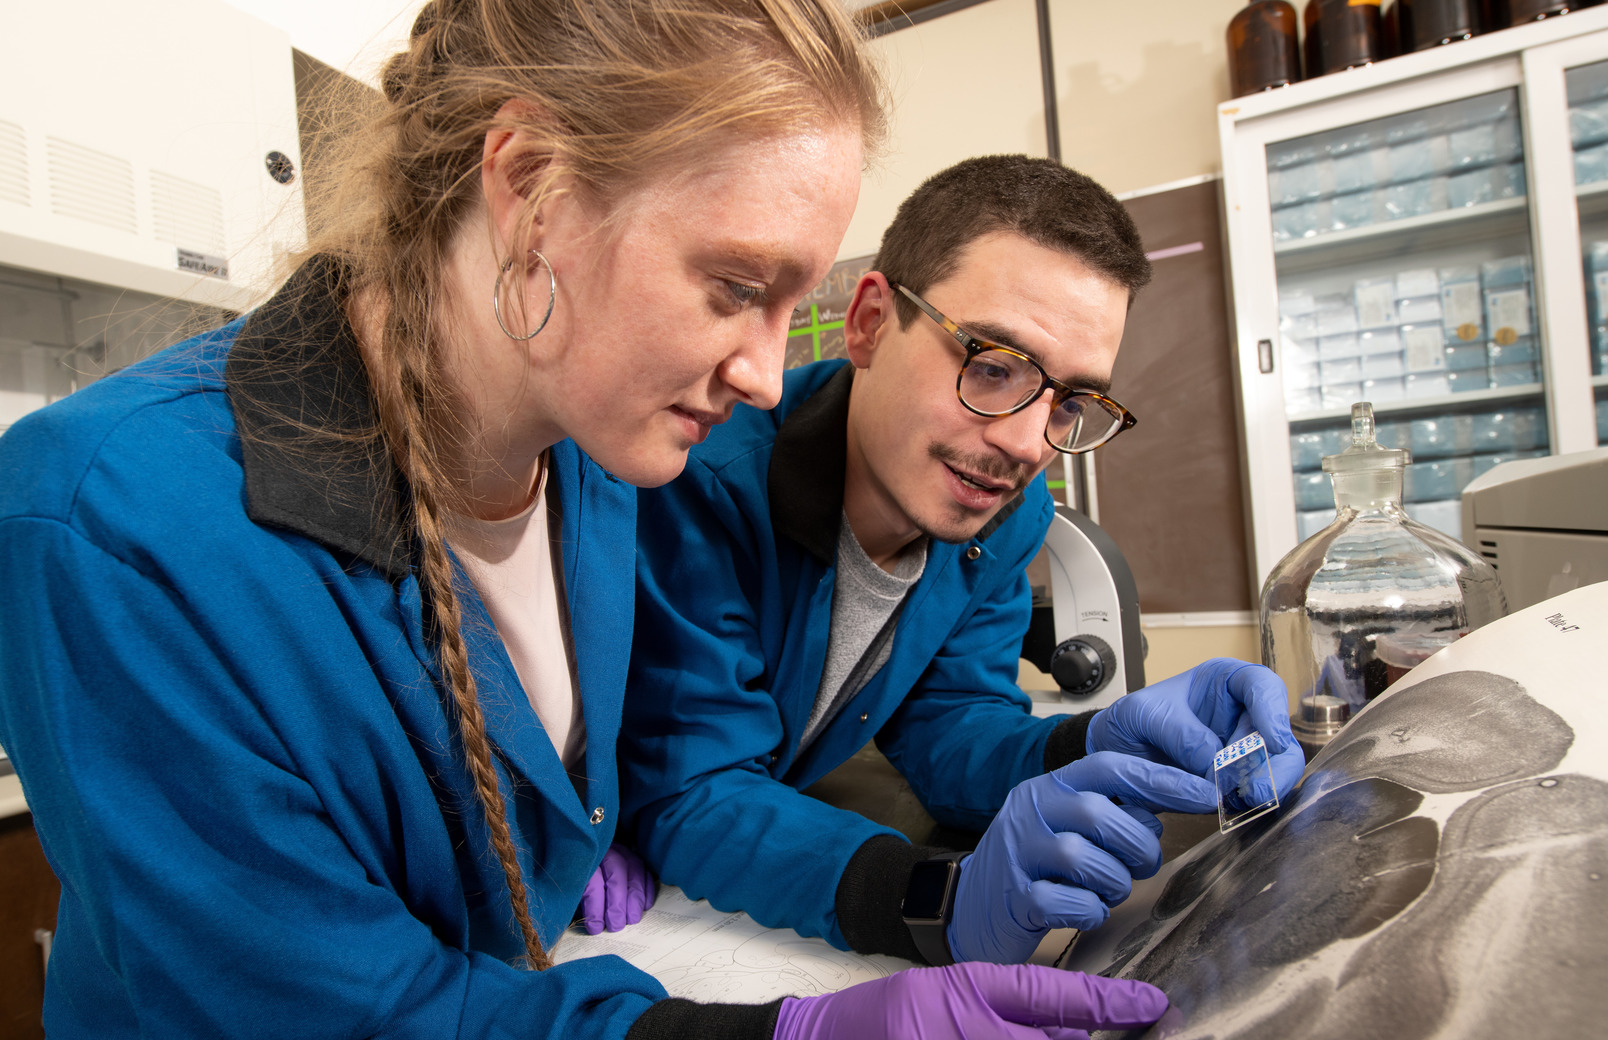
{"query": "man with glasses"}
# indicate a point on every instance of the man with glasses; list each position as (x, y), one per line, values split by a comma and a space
(852, 565)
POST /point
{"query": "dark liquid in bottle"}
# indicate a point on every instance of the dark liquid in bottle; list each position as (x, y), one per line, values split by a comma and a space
(1312, 39)
(1350, 34)
(1521, 11)
(1262, 51)
(1390, 31)
(1431, 23)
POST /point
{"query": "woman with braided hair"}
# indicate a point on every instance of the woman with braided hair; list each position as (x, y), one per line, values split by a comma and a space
(314, 627)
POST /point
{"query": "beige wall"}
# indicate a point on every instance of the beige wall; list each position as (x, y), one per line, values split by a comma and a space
(1172, 649)
(1138, 82)
(964, 84)
(1177, 649)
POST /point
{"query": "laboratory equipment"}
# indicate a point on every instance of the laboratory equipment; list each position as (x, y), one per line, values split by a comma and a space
(1350, 33)
(1087, 637)
(57, 335)
(1587, 87)
(136, 207)
(1262, 50)
(128, 174)
(1374, 591)
(1432, 23)
(1521, 11)
(1311, 40)
(1541, 523)
(1313, 208)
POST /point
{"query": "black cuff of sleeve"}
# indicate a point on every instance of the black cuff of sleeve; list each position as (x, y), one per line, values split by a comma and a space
(1069, 740)
(870, 896)
(677, 1019)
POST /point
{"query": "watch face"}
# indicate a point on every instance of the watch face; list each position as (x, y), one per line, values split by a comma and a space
(929, 885)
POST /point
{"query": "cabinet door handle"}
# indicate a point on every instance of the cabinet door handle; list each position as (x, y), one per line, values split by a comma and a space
(44, 937)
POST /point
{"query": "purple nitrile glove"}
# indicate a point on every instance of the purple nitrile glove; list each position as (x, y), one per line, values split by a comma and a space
(972, 1001)
(1185, 720)
(620, 890)
(1060, 853)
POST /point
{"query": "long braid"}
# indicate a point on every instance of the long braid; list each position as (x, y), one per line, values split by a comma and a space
(402, 392)
(438, 577)
(623, 90)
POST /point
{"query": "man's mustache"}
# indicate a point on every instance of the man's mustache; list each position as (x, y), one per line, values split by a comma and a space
(990, 466)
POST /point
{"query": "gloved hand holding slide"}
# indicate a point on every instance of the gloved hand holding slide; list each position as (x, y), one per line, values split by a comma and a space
(1061, 853)
(1185, 720)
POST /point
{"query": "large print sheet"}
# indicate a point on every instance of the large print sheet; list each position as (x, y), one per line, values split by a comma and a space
(1441, 871)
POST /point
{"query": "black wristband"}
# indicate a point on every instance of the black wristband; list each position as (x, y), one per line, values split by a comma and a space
(677, 1019)
(871, 892)
(1068, 741)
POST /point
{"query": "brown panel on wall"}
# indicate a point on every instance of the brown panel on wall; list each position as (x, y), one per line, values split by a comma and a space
(28, 897)
(1170, 489)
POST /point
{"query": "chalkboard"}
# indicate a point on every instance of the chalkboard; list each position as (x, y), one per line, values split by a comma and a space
(816, 330)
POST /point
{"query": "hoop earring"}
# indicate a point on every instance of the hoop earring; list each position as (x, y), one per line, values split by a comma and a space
(496, 294)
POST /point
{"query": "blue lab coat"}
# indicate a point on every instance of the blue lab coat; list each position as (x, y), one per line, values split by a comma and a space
(217, 689)
(737, 560)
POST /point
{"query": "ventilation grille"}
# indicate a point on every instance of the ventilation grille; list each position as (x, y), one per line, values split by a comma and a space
(187, 214)
(13, 164)
(91, 185)
(1489, 551)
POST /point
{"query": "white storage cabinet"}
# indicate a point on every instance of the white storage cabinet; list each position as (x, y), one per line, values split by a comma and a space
(1430, 234)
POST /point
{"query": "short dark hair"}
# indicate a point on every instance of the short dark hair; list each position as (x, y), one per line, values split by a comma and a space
(1039, 199)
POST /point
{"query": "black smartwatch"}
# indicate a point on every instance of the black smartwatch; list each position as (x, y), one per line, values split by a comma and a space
(928, 904)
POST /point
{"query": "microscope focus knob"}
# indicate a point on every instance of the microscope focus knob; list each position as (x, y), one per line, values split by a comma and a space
(1083, 665)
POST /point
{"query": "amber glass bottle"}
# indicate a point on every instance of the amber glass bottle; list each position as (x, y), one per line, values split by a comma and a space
(1431, 23)
(1521, 11)
(1262, 49)
(1350, 33)
(1312, 39)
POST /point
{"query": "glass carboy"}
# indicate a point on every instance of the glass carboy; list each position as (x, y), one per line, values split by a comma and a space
(1357, 605)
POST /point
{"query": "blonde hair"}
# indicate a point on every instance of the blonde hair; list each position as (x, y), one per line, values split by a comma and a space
(620, 91)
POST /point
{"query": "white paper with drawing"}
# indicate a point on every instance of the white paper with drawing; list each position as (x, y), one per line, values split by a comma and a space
(708, 955)
(1442, 870)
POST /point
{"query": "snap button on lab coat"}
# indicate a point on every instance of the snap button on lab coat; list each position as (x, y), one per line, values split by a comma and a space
(973, 553)
(597, 815)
